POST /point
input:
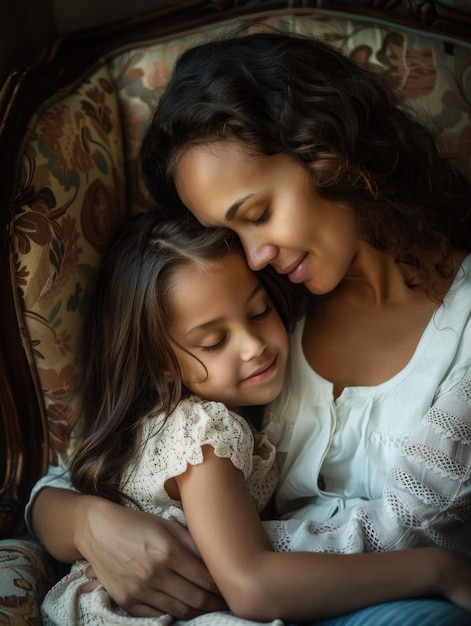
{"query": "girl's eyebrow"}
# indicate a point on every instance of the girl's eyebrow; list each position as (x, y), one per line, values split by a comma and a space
(232, 210)
(206, 325)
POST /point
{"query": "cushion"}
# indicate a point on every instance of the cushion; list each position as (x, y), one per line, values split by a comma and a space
(26, 574)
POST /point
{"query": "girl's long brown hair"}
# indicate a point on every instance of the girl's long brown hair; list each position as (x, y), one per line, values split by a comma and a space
(126, 352)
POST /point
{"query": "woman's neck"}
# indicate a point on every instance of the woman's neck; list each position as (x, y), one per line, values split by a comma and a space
(375, 279)
(367, 330)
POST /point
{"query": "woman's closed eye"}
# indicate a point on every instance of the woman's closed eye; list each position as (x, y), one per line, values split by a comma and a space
(263, 217)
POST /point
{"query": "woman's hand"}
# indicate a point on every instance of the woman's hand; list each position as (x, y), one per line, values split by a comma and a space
(149, 566)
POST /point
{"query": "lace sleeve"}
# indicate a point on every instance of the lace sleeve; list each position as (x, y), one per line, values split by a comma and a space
(169, 445)
(426, 498)
(211, 423)
(430, 493)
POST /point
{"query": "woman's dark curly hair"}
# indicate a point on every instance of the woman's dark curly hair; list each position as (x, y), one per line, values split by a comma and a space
(280, 93)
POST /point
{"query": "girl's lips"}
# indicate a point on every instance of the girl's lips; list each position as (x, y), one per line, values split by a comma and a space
(262, 372)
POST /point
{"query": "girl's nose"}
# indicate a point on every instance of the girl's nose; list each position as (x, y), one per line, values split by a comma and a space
(259, 255)
(251, 346)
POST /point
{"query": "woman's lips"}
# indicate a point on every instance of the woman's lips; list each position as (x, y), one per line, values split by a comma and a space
(297, 272)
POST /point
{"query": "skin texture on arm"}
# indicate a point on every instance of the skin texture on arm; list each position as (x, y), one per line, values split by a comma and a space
(261, 584)
(148, 565)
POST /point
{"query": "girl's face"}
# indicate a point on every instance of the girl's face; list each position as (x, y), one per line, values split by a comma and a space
(222, 315)
(271, 203)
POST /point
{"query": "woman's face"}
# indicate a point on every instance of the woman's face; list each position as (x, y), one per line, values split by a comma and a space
(271, 203)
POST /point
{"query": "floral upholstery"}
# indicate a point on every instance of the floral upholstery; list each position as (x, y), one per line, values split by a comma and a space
(71, 191)
(25, 576)
(78, 177)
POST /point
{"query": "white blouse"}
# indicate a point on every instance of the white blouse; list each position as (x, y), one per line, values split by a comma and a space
(395, 458)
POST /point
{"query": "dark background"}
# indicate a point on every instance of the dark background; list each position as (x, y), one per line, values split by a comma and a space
(27, 25)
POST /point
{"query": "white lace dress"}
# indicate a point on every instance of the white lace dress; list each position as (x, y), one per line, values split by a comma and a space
(167, 448)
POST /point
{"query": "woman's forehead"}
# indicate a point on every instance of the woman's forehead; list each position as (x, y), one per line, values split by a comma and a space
(214, 180)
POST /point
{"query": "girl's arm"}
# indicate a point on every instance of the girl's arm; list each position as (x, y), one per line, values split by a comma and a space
(148, 565)
(260, 584)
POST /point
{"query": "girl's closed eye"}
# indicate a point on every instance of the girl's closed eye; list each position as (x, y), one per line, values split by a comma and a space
(215, 346)
(267, 309)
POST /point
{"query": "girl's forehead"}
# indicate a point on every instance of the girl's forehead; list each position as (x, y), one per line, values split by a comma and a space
(211, 290)
(226, 267)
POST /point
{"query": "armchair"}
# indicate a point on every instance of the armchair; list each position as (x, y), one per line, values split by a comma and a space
(70, 130)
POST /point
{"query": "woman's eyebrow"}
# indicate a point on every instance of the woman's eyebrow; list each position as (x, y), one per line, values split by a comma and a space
(232, 210)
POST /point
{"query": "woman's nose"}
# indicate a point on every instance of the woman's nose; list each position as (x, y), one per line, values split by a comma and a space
(259, 255)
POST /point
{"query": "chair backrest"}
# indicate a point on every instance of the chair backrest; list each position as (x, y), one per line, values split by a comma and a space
(71, 127)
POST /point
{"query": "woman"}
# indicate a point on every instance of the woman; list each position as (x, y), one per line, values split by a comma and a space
(322, 174)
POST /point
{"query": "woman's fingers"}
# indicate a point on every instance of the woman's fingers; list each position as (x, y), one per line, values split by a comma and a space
(173, 606)
(198, 600)
(90, 586)
(148, 565)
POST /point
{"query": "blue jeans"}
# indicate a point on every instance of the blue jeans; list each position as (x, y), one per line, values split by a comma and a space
(423, 612)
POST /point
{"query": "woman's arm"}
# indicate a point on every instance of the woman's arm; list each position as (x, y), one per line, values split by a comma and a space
(148, 565)
(260, 584)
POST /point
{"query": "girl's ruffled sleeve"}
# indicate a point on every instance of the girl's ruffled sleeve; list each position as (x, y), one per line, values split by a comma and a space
(169, 447)
(204, 423)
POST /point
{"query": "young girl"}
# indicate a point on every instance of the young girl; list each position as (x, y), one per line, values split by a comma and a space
(180, 335)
